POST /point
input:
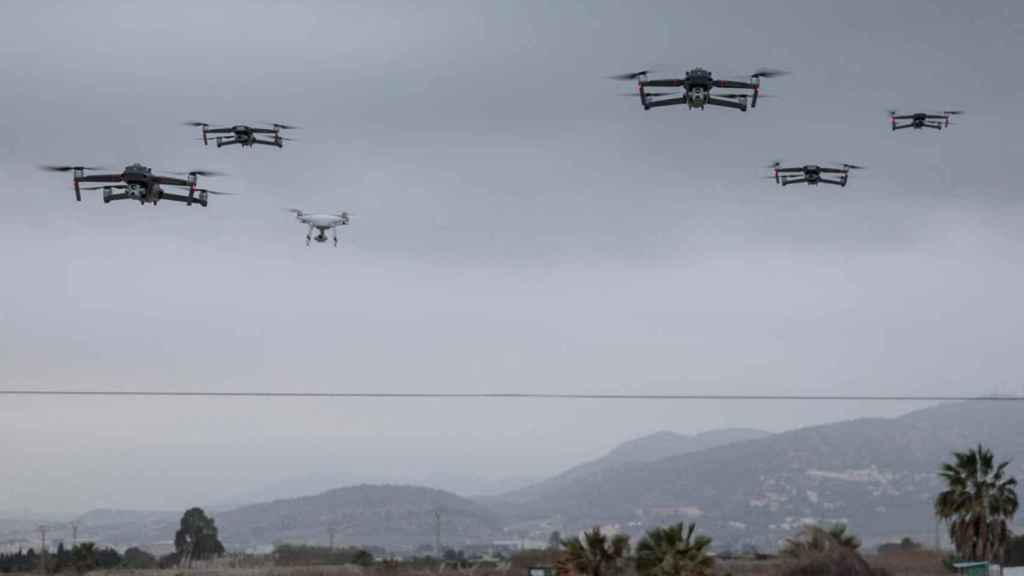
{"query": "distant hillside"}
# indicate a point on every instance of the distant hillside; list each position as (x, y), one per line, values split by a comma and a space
(877, 474)
(392, 516)
(648, 448)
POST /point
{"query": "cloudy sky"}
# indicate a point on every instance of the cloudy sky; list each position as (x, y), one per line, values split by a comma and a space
(517, 226)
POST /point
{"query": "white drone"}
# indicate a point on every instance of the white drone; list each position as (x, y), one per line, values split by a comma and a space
(321, 223)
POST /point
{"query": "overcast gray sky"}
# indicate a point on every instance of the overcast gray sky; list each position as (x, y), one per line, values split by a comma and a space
(517, 226)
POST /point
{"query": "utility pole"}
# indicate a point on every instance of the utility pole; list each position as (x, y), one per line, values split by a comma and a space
(331, 530)
(437, 532)
(42, 547)
(74, 533)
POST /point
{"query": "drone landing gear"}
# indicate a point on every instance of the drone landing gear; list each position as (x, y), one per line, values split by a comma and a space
(335, 237)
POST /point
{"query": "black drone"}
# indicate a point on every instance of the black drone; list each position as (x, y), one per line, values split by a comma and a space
(137, 182)
(244, 136)
(697, 85)
(812, 174)
(918, 120)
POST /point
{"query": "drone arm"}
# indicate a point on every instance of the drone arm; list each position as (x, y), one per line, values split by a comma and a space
(786, 181)
(733, 84)
(221, 142)
(667, 102)
(896, 126)
(665, 83)
(936, 125)
(840, 182)
(278, 143)
(727, 103)
(100, 178)
(114, 197)
(181, 198)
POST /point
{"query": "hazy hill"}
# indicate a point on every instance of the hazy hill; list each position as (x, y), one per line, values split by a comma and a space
(390, 516)
(877, 474)
(648, 448)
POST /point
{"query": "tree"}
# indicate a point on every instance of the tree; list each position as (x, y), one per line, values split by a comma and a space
(817, 540)
(978, 504)
(673, 551)
(555, 540)
(83, 557)
(593, 555)
(196, 539)
(139, 559)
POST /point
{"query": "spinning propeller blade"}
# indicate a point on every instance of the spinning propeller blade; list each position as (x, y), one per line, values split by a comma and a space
(208, 173)
(196, 124)
(58, 168)
(214, 192)
(119, 186)
(630, 75)
(283, 126)
(768, 73)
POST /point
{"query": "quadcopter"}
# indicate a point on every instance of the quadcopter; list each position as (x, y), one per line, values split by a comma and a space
(137, 182)
(244, 136)
(812, 174)
(918, 120)
(321, 223)
(697, 85)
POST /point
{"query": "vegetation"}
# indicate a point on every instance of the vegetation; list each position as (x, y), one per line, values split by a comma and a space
(817, 540)
(978, 504)
(593, 554)
(674, 551)
(83, 557)
(139, 559)
(300, 555)
(196, 539)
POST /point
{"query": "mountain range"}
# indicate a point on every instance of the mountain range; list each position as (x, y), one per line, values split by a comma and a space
(743, 487)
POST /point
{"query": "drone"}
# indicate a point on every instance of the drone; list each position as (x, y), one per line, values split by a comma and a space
(137, 182)
(697, 85)
(321, 223)
(244, 136)
(812, 174)
(918, 120)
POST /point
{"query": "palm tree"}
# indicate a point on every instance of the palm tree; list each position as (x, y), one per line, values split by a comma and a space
(593, 555)
(817, 540)
(978, 503)
(673, 551)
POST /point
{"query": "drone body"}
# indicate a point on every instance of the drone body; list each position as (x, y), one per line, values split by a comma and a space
(321, 223)
(243, 135)
(697, 85)
(139, 183)
(813, 174)
(919, 120)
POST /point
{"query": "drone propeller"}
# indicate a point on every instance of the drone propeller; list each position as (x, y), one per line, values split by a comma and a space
(57, 168)
(207, 173)
(214, 192)
(851, 166)
(733, 95)
(776, 164)
(768, 73)
(952, 112)
(630, 75)
(295, 211)
(283, 126)
(286, 138)
(196, 124)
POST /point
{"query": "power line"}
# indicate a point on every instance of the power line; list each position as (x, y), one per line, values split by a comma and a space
(510, 396)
